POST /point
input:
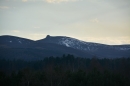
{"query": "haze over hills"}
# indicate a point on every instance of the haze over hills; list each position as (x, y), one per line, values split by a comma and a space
(12, 47)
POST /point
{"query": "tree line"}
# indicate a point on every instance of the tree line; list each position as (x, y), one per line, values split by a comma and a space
(66, 70)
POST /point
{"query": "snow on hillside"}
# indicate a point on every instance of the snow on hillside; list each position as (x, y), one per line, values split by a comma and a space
(87, 46)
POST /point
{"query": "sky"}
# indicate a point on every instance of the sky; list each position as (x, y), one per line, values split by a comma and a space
(100, 21)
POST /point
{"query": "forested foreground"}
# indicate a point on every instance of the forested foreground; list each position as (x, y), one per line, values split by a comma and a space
(66, 71)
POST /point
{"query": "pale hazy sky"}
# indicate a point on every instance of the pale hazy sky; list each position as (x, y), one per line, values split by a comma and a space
(101, 21)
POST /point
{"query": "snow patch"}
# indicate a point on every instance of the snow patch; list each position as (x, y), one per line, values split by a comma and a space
(20, 42)
(88, 48)
(124, 48)
(66, 44)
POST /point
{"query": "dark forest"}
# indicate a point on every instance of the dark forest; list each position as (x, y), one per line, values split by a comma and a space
(66, 70)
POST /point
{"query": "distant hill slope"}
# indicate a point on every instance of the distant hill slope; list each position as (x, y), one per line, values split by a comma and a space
(14, 42)
(12, 47)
